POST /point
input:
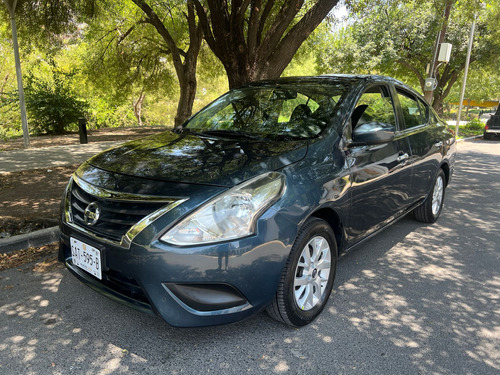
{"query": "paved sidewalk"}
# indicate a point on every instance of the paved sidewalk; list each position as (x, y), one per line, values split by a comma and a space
(46, 157)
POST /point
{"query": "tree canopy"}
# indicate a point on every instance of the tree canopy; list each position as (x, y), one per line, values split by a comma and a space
(257, 39)
(154, 62)
(398, 38)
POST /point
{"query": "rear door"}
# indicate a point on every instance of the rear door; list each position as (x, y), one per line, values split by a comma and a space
(425, 135)
(380, 174)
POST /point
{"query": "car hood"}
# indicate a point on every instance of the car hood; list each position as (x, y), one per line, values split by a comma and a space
(197, 159)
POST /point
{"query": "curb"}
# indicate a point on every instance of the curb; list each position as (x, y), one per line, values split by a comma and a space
(34, 239)
(469, 138)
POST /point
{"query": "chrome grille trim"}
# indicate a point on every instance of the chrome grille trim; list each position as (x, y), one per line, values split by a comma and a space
(114, 196)
(117, 196)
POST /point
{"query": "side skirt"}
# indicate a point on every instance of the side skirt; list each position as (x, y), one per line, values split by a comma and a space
(388, 223)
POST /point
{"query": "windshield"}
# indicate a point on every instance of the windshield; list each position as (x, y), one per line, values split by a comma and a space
(284, 111)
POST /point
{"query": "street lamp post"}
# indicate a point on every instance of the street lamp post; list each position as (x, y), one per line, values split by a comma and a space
(19, 75)
(466, 71)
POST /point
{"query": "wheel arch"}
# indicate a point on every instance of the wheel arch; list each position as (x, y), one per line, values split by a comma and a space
(333, 219)
(446, 169)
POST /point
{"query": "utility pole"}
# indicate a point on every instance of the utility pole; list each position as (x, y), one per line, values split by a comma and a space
(431, 82)
(466, 71)
(19, 75)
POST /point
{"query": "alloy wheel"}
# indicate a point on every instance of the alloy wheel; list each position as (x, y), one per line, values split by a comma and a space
(312, 273)
(437, 195)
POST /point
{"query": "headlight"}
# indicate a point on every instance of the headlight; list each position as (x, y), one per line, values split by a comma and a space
(231, 215)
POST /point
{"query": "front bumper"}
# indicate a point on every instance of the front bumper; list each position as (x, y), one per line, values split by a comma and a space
(190, 286)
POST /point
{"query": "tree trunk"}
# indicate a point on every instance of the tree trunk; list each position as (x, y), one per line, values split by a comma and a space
(251, 43)
(438, 105)
(445, 84)
(442, 33)
(188, 85)
(185, 70)
(138, 107)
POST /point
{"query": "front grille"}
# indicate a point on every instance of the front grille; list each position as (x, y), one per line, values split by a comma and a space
(116, 216)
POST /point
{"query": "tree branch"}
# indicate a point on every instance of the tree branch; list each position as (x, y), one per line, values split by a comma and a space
(106, 34)
(283, 53)
(195, 31)
(454, 76)
(11, 8)
(207, 31)
(263, 19)
(101, 58)
(164, 33)
(285, 16)
(406, 64)
(253, 27)
(127, 33)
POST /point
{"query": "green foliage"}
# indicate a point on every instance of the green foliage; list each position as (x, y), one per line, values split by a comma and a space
(304, 61)
(125, 54)
(397, 38)
(51, 106)
(46, 24)
(473, 128)
(474, 124)
(10, 123)
(482, 84)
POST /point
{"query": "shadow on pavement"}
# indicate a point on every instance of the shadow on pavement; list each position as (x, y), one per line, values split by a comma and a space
(414, 299)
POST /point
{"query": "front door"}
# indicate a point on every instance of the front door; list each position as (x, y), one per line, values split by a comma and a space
(380, 174)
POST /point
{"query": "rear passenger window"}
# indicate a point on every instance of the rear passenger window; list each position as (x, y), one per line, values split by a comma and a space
(433, 120)
(411, 110)
(424, 110)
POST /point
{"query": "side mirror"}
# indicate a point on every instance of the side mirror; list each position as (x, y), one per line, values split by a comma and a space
(373, 133)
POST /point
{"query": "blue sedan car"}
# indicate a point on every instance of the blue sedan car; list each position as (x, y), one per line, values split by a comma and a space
(249, 204)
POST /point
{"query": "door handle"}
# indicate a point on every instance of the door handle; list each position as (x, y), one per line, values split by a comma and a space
(438, 144)
(402, 157)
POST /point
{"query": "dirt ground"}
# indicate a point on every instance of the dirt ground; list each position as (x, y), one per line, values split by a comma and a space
(46, 257)
(29, 200)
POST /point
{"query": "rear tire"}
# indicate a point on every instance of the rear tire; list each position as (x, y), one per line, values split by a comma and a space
(430, 209)
(307, 279)
(488, 136)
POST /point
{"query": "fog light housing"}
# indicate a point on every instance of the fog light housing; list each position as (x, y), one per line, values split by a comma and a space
(207, 297)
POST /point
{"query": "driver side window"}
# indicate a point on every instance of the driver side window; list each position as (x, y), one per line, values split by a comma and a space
(374, 105)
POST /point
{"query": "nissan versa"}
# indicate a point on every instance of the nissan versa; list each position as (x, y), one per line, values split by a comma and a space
(248, 205)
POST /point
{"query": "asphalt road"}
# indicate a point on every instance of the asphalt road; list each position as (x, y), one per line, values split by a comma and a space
(416, 299)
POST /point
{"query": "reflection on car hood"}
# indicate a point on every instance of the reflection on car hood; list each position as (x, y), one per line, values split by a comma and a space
(190, 158)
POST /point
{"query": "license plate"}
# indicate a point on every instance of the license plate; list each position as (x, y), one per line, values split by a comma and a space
(87, 257)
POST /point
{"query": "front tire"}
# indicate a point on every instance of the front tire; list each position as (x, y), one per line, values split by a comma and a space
(307, 279)
(430, 209)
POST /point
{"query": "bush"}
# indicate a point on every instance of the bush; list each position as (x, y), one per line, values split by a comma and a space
(10, 117)
(474, 124)
(51, 106)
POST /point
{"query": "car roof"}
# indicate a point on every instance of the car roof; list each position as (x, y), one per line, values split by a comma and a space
(336, 78)
(329, 78)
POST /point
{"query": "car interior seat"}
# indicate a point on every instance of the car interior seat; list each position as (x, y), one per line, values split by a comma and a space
(357, 114)
(300, 113)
